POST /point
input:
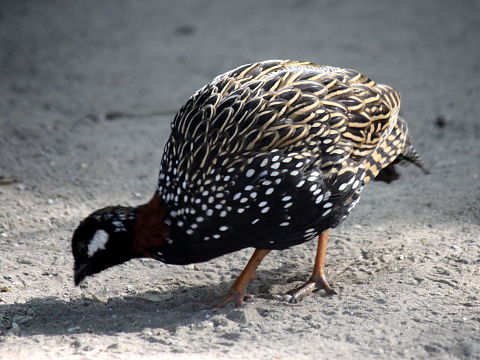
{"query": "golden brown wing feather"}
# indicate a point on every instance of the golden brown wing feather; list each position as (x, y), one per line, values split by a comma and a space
(338, 117)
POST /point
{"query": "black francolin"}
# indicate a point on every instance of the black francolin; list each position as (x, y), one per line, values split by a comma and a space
(268, 155)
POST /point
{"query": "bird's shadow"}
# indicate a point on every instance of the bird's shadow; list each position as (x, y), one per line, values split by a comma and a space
(128, 313)
(167, 310)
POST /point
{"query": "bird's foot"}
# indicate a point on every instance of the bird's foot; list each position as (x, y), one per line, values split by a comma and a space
(313, 284)
(238, 291)
(236, 297)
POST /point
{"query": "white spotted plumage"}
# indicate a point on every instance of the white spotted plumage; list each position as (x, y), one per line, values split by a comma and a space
(266, 145)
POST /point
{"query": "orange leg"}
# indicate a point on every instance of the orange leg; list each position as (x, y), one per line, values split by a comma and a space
(238, 291)
(317, 281)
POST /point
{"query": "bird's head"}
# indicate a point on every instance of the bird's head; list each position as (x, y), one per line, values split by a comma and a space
(102, 240)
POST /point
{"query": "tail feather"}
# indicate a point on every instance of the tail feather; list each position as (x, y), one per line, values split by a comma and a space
(409, 155)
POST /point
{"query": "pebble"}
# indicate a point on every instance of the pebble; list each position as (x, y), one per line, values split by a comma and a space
(20, 187)
(192, 267)
(441, 121)
(15, 328)
(385, 258)
(72, 329)
(25, 261)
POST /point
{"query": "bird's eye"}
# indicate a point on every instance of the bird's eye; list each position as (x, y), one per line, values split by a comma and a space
(81, 250)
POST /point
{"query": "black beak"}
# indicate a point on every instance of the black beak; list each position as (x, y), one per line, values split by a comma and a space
(80, 272)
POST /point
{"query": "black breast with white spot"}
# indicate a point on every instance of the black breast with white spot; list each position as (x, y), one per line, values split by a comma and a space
(261, 158)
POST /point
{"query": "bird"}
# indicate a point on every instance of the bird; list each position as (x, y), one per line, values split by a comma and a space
(267, 156)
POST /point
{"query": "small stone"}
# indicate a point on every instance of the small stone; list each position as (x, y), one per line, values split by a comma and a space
(15, 328)
(25, 261)
(441, 121)
(386, 258)
(72, 329)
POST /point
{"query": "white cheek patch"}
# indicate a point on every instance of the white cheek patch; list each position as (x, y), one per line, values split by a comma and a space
(98, 242)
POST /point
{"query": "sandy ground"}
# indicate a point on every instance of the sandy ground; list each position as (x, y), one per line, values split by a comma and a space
(87, 92)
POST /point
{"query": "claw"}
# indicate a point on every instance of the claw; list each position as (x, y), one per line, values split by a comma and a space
(317, 281)
(232, 296)
(238, 292)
